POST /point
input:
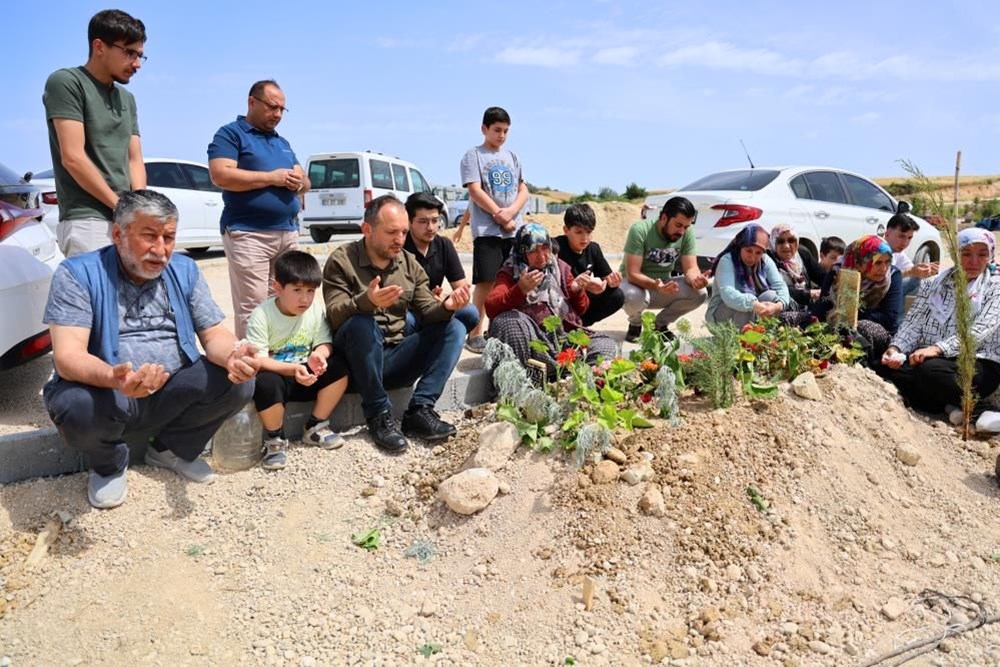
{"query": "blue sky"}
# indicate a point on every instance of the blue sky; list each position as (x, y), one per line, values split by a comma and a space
(600, 93)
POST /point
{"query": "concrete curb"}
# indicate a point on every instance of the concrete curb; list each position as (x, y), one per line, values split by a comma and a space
(42, 453)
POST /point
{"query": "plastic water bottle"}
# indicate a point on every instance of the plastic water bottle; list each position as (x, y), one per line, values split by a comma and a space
(237, 444)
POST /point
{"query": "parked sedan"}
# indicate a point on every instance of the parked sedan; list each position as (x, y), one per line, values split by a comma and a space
(187, 184)
(816, 201)
(28, 258)
(457, 208)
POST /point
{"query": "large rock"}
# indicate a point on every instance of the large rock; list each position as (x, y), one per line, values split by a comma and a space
(469, 491)
(605, 472)
(497, 443)
(640, 473)
(805, 386)
(652, 502)
(908, 455)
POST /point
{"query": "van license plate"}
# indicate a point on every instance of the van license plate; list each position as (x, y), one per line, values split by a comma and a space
(333, 201)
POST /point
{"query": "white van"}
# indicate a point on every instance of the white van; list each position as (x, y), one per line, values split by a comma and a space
(344, 183)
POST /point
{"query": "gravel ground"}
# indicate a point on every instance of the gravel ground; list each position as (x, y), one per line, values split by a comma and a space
(259, 568)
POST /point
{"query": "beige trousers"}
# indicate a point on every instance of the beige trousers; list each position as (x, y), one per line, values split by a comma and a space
(251, 258)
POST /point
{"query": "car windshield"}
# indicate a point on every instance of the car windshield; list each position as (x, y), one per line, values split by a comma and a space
(48, 173)
(745, 180)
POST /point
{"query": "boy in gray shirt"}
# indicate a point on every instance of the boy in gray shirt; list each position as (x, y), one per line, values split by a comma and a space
(497, 193)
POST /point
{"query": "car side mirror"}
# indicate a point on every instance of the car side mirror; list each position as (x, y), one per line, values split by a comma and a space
(27, 175)
(903, 207)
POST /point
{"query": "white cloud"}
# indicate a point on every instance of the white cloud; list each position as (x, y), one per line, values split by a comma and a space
(866, 118)
(722, 55)
(616, 55)
(545, 56)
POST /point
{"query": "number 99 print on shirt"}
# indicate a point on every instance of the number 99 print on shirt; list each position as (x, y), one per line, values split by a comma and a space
(500, 176)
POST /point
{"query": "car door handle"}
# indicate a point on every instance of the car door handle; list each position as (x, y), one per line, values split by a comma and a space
(822, 215)
(211, 203)
(871, 220)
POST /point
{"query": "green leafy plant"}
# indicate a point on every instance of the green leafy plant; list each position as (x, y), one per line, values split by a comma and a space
(427, 650)
(369, 540)
(195, 550)
(757, 499)
(715, 365)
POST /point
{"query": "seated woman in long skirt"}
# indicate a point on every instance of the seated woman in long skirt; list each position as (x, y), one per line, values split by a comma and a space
(880, 297)
(532, 284)
(922, 360)
(747, 283)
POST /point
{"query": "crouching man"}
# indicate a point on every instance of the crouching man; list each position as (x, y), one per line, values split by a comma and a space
(125, 321)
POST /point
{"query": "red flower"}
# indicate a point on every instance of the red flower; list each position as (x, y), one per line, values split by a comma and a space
(746, 327)
(646, 398)
(566, 357)
(599, 383)
(684, 358)
(823, 365)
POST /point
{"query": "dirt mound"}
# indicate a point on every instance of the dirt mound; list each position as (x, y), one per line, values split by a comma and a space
(613, 221)
(259, 568)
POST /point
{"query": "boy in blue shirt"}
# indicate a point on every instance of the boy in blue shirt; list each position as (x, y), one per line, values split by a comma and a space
(294, 342)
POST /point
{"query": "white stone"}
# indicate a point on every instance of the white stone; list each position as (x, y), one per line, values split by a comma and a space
(469, 491)
(894, 608)
(497, 443)
(907, 455)
(805, 386)
(652, 502)
(638, 474)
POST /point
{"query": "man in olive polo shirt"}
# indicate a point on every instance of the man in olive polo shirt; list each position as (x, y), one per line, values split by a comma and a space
(368, 286)
(261, 181)
(94, 131)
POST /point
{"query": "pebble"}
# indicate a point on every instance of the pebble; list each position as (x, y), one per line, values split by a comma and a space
(817, 646)
(734, 572)
(428, 608)
(616, 455)
(581, 638)
(479, 570)
(605, 472)
(307, 661)
(504, 487)
(789, 628)
(6, 661)
(907, 454)
(894, 608)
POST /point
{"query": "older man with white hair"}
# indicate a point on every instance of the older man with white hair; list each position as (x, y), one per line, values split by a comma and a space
(125, 322)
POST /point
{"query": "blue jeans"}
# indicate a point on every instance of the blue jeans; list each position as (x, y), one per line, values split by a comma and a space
(467, 315)
(184, 414)
(429, 354)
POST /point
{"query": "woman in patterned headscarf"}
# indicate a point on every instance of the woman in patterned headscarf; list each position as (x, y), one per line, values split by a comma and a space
(532, 284)
(798, 268)
(747, 283)
(922, 359)
(880, 298)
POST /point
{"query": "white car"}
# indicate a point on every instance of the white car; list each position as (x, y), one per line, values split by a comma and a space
(457, 208)
(186, 183)
(816, 201)
(28, 258)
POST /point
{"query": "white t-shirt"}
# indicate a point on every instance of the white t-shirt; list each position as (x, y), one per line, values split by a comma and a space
(901, 261)
(287, 338)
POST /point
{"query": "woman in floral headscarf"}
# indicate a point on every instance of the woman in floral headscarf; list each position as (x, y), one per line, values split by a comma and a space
(531, 285)
(798, 268)
(747, 283)
(880, 298)
(922, 359)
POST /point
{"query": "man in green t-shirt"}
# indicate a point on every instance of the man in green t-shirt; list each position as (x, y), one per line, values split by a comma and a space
(652, 251)
(94, 131)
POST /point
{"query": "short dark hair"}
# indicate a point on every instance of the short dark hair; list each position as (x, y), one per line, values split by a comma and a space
(422, 200)
(295, 267)
(111, 25)
(258, 87)
(832, 244)
(903, 223)
(679, 205)
(495, 115)
(580, 215)
(376, 205)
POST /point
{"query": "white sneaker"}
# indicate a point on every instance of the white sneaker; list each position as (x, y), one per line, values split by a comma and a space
(323, 436)
(988, 422)
(197, 471)
(105, 492)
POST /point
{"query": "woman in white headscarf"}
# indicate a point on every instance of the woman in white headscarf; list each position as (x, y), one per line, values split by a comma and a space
(922, 360)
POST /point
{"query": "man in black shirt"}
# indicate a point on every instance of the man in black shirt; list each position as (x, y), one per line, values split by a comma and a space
(584, 256)
(436, 254)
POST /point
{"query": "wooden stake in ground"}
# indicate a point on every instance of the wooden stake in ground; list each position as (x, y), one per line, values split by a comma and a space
(848, 294)
(44, 540)
(588, 593)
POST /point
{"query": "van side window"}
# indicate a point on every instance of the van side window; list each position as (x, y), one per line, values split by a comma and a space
(381, 174)
(419, 184)
(399, 178)
(339, 173)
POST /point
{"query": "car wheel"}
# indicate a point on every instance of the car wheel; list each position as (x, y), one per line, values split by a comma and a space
(320, 235)
(928, 252)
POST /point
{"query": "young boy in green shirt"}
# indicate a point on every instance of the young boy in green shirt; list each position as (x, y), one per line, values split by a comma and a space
(293, 338)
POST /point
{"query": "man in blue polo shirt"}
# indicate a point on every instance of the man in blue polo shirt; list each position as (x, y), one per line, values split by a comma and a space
(261, 181)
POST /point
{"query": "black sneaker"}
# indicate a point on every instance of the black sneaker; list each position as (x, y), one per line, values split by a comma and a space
(385, 432)
(667, 334)
(423, 422)
(632, 335)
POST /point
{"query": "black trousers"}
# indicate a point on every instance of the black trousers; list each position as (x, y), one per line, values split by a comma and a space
(273, 388)
(603, 305)
(185, 413)
(933, 384)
